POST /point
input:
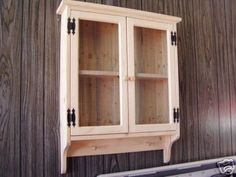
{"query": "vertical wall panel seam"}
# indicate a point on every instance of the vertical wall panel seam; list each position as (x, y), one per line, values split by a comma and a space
(85, 166)
(44, 36)
(227, 58)
(103, 163)
(214, 26)
(229, 80)
(197, 88)
(21, 63)
(22, 15)
(197, 110)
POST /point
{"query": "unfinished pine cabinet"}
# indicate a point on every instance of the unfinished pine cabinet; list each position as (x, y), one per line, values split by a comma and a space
(118, 81)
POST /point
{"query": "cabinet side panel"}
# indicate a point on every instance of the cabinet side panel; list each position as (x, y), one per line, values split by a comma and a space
(172, 75)
(64, 88)
(176, 73)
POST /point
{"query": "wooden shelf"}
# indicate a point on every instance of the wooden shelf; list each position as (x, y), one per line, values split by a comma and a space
(124, 135)
(98, 73)
(132, 142)
(151, 76)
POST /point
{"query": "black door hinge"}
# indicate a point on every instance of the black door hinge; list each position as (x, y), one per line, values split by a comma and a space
(70, 117)
(71, 25)
(173, 38)
(176, 115)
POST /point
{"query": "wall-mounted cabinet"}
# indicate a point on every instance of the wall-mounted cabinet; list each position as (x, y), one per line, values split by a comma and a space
(118, 81)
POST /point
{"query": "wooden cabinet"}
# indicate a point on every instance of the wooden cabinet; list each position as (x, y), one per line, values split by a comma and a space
(118, 80)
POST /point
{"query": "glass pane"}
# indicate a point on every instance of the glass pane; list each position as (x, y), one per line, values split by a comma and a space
(150, 49)
(98, 46)
(99, 102)
(151, 101)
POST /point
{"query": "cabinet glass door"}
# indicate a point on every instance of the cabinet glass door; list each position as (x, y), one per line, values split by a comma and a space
(98, 50)
(149, 69)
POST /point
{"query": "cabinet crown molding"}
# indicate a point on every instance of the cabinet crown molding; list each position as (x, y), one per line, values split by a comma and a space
(112, 10)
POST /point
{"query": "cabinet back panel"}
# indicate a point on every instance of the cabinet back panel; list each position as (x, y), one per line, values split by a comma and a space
(150, 50)
(151, 101)
(99, 101)
(98, 43)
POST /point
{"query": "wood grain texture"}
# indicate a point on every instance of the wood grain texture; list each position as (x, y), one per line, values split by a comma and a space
(220, 42)
(186, 148)
(151, 104)
(29, 72)
(51, 90)
(149, 50)
(10, 83)
(209, 143)
(230, 15)
(115, 163)
(98, 47)
(94, 165)
(99, 101)
(32, 89)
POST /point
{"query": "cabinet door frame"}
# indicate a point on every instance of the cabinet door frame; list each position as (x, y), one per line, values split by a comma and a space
(171, 61)
(93, 130)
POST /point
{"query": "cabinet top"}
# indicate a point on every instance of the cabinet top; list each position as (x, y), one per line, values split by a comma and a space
(112, 10)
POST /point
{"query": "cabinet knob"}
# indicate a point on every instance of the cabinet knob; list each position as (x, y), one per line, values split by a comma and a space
(131, 78)
(94, 147)
(126, 78)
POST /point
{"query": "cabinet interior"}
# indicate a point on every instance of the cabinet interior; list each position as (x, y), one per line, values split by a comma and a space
(99, 101)
(150, 51)
(151, 87)
(151, 101)
(98, 46)
(99, 98)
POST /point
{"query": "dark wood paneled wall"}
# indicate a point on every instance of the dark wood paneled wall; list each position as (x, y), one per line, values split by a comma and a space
(29, 82)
